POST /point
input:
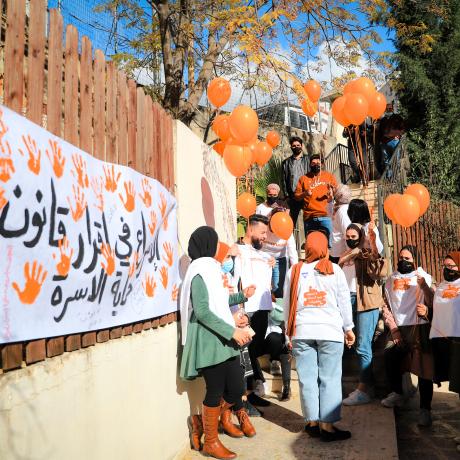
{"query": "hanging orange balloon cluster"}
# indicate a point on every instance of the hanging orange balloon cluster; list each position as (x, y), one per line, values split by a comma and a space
(406, 209)
(309, 102)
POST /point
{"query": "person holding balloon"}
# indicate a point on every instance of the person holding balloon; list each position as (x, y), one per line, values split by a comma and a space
(445, 324)
(407, 290)
(315, 190)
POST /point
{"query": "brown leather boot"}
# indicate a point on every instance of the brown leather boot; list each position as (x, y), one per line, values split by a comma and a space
(212, 446)
(195, 427)
(245, 423)
(226, 420)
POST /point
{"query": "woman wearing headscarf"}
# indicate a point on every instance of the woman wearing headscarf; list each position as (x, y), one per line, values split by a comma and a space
(210, 337)
(317, 312)
(340, 221)
(363, 269)
(409, 350)
(445, 325)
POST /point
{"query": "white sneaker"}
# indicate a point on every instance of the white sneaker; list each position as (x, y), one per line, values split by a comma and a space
(393, 400)
(260, 388)
(356, 398)
(275, 368)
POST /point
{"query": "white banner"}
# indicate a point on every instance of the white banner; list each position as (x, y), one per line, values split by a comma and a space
(84, 244)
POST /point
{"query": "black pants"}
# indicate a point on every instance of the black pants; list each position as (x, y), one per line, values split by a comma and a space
(294, 209)
(394, 357)
(275, 344)
(224, 380)
(259, 323)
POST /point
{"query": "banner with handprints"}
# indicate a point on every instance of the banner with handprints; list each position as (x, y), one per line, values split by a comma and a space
(84, 244)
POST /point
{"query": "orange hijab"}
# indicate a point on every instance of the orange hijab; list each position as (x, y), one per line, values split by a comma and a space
(455, 256)
(315, 249)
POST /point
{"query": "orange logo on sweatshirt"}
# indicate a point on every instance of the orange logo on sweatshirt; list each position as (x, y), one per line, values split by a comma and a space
(227, 284)
(450, 292)
(402, 284)
(314, 298)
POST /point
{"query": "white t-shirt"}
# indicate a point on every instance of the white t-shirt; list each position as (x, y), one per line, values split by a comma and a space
(350, 275)
(340, 222)
(403, 294)
(253, 267)
(378, 242)
(323, 307)
(263, 209)
(277, 247)
(446, 310)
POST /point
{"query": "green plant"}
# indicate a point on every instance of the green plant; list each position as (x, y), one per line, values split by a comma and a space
(271, 173)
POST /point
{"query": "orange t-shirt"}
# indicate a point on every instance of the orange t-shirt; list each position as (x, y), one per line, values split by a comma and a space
(316, 204)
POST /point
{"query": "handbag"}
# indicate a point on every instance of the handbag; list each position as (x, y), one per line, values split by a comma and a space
(245, 359)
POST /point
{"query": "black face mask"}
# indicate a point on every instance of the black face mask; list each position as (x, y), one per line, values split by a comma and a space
(451, 275)
(296, 150)
(256, 244)
(315, 169)
(404, 267)
(352, 243)
(271, 199)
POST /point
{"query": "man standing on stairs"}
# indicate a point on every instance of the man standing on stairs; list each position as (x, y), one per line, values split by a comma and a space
(315, 190)
(294, 167)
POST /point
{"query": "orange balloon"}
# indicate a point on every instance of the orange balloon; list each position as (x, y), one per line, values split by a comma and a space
(263, 153)
(406, 211)
(313, 90)
(252, 148)
(220, 127)
(236, 159)
(309, 107)
(390, 203)
(219, 147)
(219, 91)
(243, 123)
(338, 111)
(281, 225)
(356, 108)
(350, 87)
(273, 138)
(377, 106)
(246, 204)
(366, 87)
(422, 194)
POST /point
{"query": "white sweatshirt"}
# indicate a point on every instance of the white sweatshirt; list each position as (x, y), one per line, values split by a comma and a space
(446, 310)
(323, 307)
(278, 248)
(340, 222)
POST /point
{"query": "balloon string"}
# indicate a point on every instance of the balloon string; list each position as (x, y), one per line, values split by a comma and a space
(353, 146)
(360, 150)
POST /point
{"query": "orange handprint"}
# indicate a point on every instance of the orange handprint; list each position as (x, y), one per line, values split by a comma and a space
(6, 163)
(80, 170)
(132, 265)
(168, 258)
(33, 283)
(147, 196)
(163, 207)
(34, 154)
(111, 182)
(164, 276)
(129, 204)
(63, 265)
(153, 222)
(149, 285)
(56, 158)
(175, 293)
(3, 131)
(109, 255)
(80, 203)
(3, 200)
(98, 189)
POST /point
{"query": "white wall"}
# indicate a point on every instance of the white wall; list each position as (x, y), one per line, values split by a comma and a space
(121, 399)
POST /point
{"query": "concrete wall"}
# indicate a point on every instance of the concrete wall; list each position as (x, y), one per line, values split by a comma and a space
(121, 399)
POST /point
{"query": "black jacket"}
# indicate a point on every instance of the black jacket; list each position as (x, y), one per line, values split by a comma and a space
(287, 173)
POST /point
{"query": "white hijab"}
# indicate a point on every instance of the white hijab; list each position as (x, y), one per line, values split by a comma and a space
(210, 270)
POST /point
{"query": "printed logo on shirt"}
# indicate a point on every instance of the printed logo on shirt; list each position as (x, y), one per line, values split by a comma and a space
(450, 292)
(401, 284)
(227, 284)
(314, 298)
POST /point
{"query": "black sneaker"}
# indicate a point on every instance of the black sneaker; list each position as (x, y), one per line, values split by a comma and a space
(251, 410)
(336, 435)
(312, 431)
(286, 394)
(257, 400)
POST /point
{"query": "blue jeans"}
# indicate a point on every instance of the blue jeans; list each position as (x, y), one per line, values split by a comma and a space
(317, 223)
(278, 276)
(319, 366)
(366, 322)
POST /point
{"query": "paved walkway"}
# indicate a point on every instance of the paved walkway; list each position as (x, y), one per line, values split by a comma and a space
(280, 435)
(437, 442)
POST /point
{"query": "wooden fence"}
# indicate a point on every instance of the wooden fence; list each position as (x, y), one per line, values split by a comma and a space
(87, 101)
